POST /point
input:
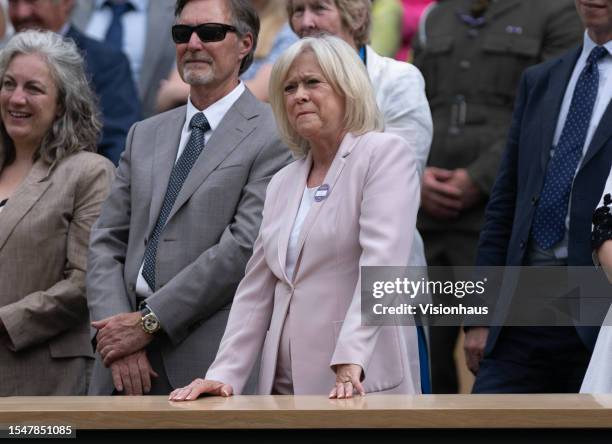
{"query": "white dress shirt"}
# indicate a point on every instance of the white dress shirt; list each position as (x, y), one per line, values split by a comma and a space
(214, 114)
(604, 95)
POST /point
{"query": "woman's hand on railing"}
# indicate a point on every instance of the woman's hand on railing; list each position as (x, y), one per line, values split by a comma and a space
(199, 387)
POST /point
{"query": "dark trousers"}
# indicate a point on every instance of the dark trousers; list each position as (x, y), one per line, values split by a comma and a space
(160, 385)
(445, 251)
(534, 359)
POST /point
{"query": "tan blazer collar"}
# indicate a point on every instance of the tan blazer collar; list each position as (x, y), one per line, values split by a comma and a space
(24, 197)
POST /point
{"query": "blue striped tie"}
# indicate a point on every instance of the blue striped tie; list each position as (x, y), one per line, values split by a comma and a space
(549, 220)
(199, 125)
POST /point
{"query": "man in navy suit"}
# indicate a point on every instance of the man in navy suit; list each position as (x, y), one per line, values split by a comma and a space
(108, 69)
(557, 159)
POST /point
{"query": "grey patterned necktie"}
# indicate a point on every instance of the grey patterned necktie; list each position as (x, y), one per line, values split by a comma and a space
(199, 125)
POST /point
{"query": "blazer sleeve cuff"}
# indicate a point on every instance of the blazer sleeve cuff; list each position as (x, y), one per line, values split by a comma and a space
(340, 358)
(14, 328)
(235, 382)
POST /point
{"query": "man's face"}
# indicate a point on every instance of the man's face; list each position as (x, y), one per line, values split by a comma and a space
(596, 16)
(210, 64)
(39, 14)
(313, 17)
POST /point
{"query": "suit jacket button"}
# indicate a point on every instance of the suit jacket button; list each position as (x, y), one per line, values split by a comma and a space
(534, 200)
(465, 64)
(522, 245)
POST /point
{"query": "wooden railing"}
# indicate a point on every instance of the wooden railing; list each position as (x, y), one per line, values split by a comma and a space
(317, 412)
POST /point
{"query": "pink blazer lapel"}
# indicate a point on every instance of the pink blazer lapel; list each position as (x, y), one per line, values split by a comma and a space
(295, 190)
(331, 178)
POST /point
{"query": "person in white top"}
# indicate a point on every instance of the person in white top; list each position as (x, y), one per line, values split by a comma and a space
(598, 378)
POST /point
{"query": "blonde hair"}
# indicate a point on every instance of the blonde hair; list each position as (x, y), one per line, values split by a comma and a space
(356, 16)
(345, 72)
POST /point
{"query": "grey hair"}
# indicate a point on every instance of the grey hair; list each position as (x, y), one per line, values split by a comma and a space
(345, 72)
(244, 19)
(78, 126)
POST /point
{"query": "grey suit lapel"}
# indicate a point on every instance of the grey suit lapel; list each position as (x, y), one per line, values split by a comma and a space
(166, 142)
(236, 125)
(24, 198)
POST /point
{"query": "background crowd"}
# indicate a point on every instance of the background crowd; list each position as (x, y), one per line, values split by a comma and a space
(368, 132)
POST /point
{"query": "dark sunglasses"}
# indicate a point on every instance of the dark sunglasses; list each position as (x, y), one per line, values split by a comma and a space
(207, 32)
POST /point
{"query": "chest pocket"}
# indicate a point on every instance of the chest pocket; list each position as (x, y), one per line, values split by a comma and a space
(434, 63)
(509, 55)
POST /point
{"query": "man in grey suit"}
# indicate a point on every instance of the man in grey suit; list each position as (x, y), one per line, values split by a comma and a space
(142, 28)
(174, 236)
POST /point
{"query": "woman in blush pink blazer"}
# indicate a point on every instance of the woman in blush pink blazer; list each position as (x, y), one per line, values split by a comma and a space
(351, 200)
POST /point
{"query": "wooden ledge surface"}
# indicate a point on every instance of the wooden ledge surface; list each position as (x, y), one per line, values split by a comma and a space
(296, 412)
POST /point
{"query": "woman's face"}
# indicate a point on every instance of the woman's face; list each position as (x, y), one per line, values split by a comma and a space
(28, 100)
(313, 17)
(314, 109)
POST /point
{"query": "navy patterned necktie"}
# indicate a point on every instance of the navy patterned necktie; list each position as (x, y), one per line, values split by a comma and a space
(551, 212)
(114, 33)
(199, 125)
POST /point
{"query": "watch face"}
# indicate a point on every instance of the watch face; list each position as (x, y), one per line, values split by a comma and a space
(150, 323)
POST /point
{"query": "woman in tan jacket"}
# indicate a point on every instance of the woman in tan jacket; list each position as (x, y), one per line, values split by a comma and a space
(51, 188)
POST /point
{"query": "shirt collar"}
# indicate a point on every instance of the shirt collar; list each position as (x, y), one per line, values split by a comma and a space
(139, 5)
(589, 44)
(215, 112)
